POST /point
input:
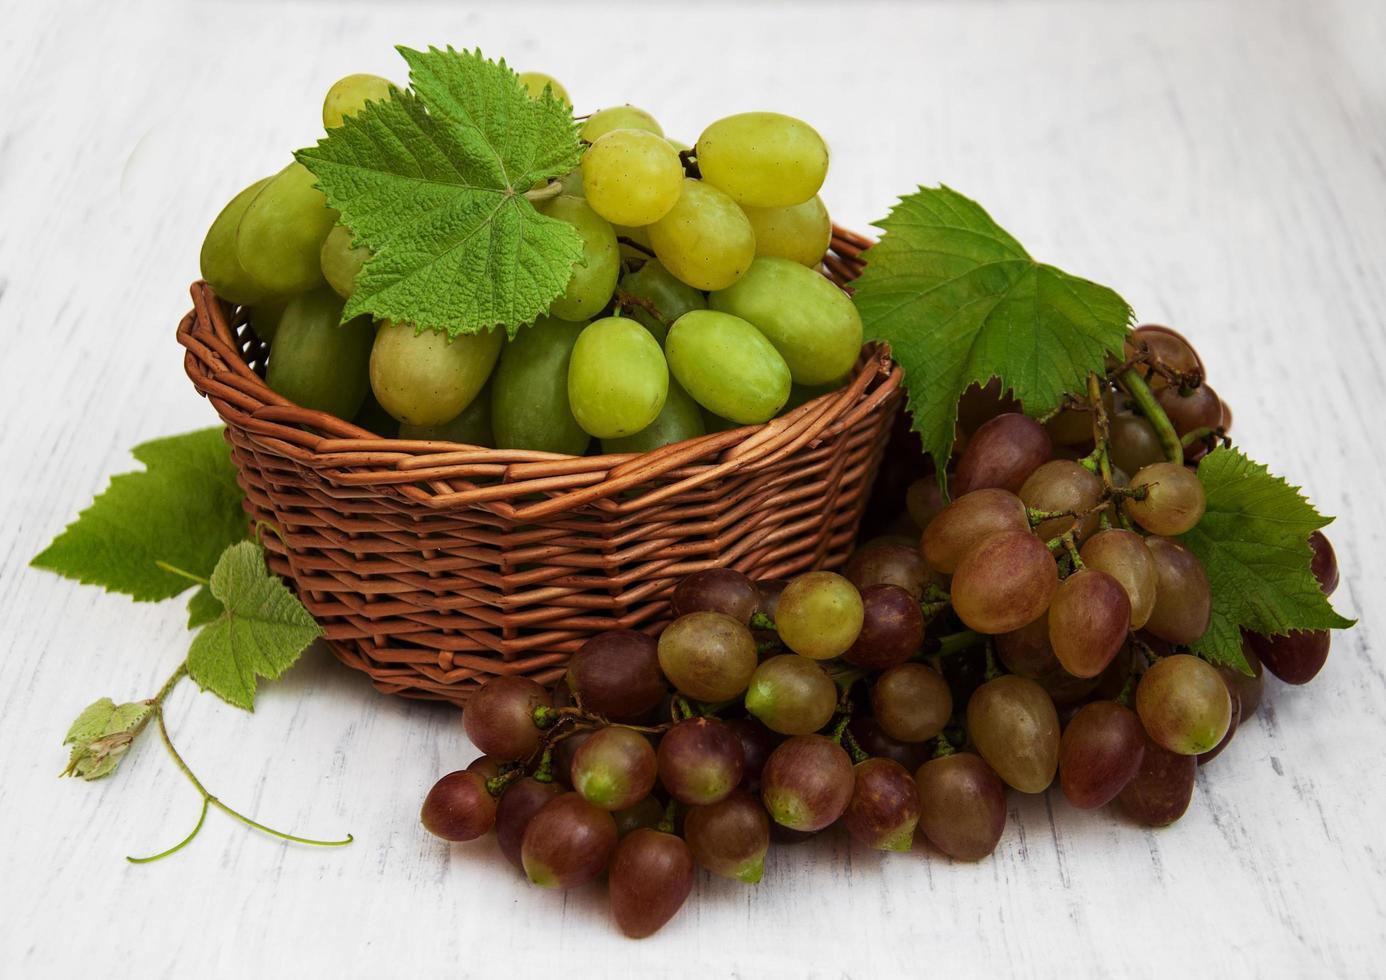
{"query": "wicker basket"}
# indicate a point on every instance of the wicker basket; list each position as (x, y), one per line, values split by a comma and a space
(433, 566)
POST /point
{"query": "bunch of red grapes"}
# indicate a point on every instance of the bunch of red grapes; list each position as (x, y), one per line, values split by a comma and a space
(1033, 628)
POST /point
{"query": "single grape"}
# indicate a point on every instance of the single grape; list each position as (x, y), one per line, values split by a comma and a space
(708, 656)
(1295, 657)
(728, 366)
(872, 739)
(317, 361)
(1014, 726)
(617, 378)
(651, 876)
(349, 95)
(1184, 704)
(968, 520)
(280, 234)
(1004, 582)
(1324, 564)
(645, 813)
(617, 674)
(791, 695)
(517, 806)
(962, 805)
(1174, 500)
(705, 240)
(1134, 443)
(911, 702)
(471, 427)
(1183, 601)
(763, 159)
(614, 769)
(892, 628)
(529, 396)
(1063, 485)
(499, 718)
(1246, 689)
(811, 322)
(756, 745)
(265, 316)
(723, 590)
(1002, 453)
(536, 81)
(1089, 618)
(1160, 791)
(341, 262)
(799, 232)
(218, 261)
(807, 782)
(427, 379)
(1100, 752)
(730, 837)
(1166, 347)
(883, 561)
(567, 843)
(681, 418)
(884, 808)
(618, 117)
(1201, 408)
(700, 761)
(631, 177)
(458, 807)
(924, 500)
(819, 615)
(594, 275)
(671, 299)
(1124, 556)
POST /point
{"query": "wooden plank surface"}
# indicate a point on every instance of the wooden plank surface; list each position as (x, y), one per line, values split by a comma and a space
(1223, 165)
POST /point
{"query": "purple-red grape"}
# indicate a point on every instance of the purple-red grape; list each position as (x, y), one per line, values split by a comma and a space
(892, 628)
(458, 807)
(967, 520)
(519, 803)
(1002, 453)
(962, 805)
(614, 769)
(1160, 791)
(499, 718)
(617, 674)
(730, 837)
(1004, 582)
(911, 702)
(723, 590)
(651, 876)
(700, 761)
(1100, 752)
(884, 807)
(567, 843)
(807, 782)
(1089, 618)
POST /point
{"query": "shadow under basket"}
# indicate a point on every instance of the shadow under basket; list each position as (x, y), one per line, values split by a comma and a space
(434, 566)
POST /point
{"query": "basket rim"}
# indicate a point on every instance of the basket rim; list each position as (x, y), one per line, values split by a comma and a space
(457, 474)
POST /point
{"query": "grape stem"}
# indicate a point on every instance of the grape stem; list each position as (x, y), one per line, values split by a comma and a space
(552, 189)
(942, 747)
(1144, 398)
(840, 728)
(632, 243)
(1101, 432)
(957, 642)
(850, 744)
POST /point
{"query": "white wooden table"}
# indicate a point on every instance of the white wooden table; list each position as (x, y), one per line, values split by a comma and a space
(1223, 165)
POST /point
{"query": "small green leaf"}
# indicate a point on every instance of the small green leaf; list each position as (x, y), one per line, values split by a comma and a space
(102, 734)
(433, 181)
(261, 632)
(181, 512)
(961, 302)
(203, 607)
(1253, 542)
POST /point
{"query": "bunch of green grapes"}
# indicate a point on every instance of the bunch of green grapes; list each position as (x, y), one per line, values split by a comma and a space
(698, 303)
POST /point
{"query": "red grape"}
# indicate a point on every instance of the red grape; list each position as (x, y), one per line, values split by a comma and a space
(911, 702)
(1295, 657)
(614, 769)
(1004, 582)
(700, 761)
(1002, 453)
(1160, 791)
(1088, 621)
(1124, 556)
(892, 628)
(519, 803)
(962, 805)
(756, 745)
(499, 718)
(884, 807)
(1183, 601)
(458, 807)
(966, 521)
(886, 562)
(651, 876)
(617, 674)
(723, 590)
(1201, 408)
(1100, 752)
(567, 843)
(807, 782)
(730, 837)
(1324, 564)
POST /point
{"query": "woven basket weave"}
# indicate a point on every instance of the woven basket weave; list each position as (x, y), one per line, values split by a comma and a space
(433, 566)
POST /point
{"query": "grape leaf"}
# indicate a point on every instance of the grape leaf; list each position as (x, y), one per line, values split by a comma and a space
(960, 301)
(101, 735)
(1253, 541)
(261, 632)
(433, 181)
(203, 607)
(182, 511)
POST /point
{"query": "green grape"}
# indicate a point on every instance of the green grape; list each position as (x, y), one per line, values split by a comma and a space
(763, 159)
(341, 263)
(1014, 726)
(536, 81)
(594, 276)
(811, 322)
(705, 240)
(617, 378)
(572, 183)
(427, 379)
(728, 366)
(220, 267)
(316, 362)
(470, 428)
(349, 95)
(372, 416)
(279, 238)
(819, 615)
(679, 419)
(618, 117)
(631, 177)
(707, 655)
(653, 283)
(791, 695)
(265, 316)
(1183, 704)
(529, 397)
(799, 232)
